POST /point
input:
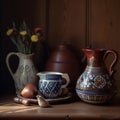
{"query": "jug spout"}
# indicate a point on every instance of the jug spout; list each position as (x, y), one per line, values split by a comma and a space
(94, 56)
(95, 84)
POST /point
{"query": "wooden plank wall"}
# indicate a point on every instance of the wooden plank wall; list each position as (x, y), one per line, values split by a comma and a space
(65, 20)
(105, 29)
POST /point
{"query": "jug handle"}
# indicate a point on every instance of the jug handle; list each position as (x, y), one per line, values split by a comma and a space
(7, 62)
(67, 78)
(113, 62)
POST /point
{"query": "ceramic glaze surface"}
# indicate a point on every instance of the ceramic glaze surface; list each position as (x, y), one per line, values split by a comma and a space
(95, 79)
(52, 83)
(63, 60)
(50, 89)
(25, 72)
(95, 84)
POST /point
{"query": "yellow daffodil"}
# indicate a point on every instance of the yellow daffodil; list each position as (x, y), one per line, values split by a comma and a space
(23, 33)
(34, 38)
(9, 32)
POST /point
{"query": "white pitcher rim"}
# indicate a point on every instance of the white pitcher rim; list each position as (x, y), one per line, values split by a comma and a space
(49, 72)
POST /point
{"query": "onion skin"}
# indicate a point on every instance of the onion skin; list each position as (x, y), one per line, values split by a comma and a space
(29, 91)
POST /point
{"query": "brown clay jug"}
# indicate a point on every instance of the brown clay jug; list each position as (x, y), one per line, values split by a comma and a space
(96, 84)
(62, 59)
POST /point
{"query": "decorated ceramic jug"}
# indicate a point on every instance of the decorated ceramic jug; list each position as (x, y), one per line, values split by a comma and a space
(96, 84)
(25, 71)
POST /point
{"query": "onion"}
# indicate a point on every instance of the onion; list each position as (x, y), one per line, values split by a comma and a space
(29, 91)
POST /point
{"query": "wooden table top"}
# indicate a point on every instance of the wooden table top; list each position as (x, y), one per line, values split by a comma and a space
(9, 110)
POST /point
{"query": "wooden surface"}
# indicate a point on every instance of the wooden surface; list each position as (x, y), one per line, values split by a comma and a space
(63, 20)
(67, 111)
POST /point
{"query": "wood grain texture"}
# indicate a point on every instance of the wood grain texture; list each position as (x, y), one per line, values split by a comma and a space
(64, 20)
(105, 25)
(105, 29)
(75, 110)
(67, 22)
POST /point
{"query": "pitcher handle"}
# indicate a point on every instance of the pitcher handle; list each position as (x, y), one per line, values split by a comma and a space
(113, 62)
(7, 62)
(67, 78)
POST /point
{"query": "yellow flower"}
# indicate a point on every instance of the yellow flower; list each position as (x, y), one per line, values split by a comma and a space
(23, 33)
(34, 38)
(9, 32)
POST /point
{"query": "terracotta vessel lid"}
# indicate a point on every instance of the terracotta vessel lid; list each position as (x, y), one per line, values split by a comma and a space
(63, 53)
